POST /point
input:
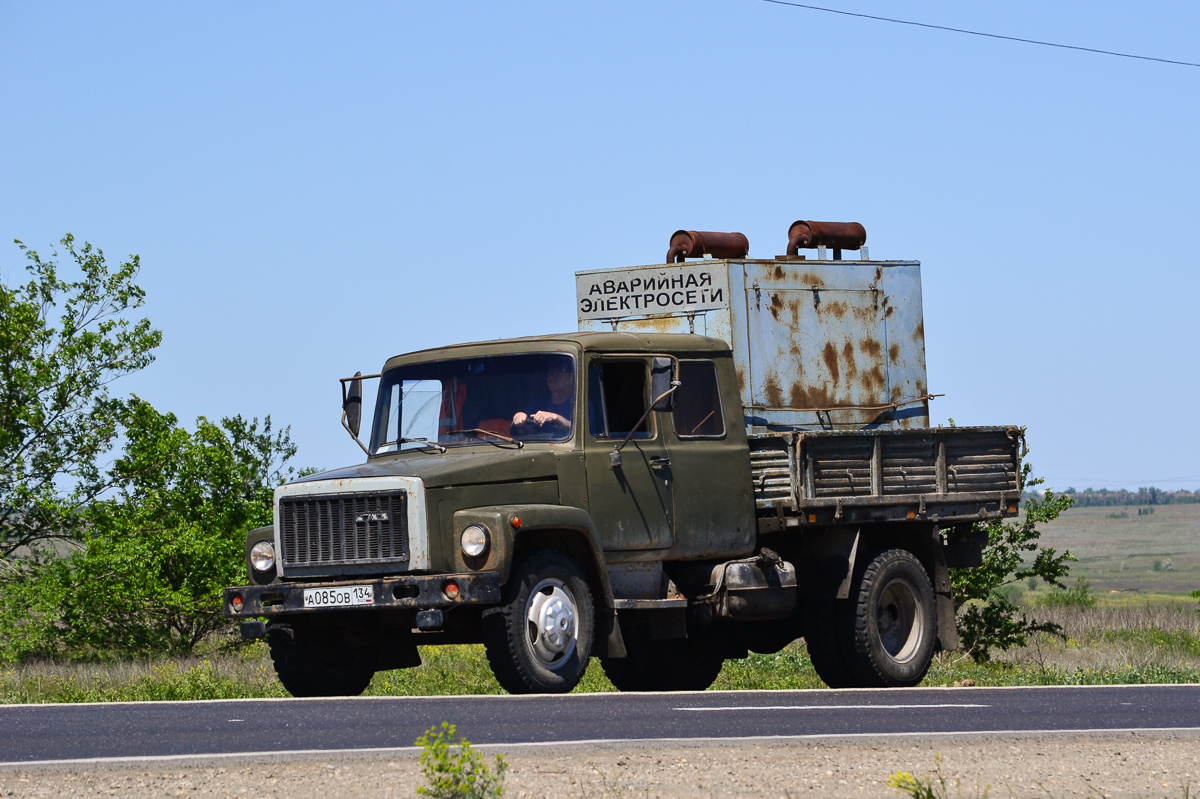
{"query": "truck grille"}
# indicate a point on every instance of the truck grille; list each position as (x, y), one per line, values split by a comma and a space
(334, 530)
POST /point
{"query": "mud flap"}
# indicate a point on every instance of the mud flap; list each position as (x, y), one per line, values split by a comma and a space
(947, 627)
(609, 643)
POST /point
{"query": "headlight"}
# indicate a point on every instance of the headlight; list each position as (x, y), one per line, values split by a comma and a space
(474, 540)
(262, 556)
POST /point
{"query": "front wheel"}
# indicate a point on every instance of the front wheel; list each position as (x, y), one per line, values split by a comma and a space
(894, 622)
(315, 660)
(539, 639)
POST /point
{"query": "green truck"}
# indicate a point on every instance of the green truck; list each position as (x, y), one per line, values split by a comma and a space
(730, 454)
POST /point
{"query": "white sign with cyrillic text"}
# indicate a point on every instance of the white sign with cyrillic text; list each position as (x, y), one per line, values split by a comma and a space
(648, 292)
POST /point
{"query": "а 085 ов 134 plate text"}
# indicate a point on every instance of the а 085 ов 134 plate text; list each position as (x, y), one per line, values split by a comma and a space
(344, 596)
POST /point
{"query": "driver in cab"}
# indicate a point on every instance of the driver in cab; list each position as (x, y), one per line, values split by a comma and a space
(554, 407)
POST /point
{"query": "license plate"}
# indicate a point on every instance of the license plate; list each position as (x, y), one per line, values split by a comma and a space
(340, 597)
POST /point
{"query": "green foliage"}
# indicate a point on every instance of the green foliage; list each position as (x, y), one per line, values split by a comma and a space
(158, 551)
(1076, 596)
(61, 342)
(987, 619)
(931, 786)
(457, 775)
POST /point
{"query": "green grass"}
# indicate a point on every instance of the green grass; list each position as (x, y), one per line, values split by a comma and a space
(1121, 640)
(1119, 553)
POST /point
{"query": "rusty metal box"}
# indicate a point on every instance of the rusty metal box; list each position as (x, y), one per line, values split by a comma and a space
(818, 344)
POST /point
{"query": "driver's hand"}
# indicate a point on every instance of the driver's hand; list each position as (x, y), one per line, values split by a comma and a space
(519, 417)
(541, 417)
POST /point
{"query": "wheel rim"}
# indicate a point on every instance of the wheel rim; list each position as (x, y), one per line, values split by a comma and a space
(898, 618)
(550, 616)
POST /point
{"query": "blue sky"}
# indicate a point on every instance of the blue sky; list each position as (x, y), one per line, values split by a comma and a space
(315, 187)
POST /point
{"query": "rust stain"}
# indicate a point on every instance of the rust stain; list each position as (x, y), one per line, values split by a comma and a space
(871, 347)
(889, 311)
(831, 361)
(794, 307)
(838, 308)
(919, 334)
(894, 353)
(897, 392)
(774, 393)
(741, 377)
(874, 381)
(864, 313)
(776, 305)
(811, 396)
(878, 274)
(809, 279)
(778, 272)
(662, 324)
(851, 364)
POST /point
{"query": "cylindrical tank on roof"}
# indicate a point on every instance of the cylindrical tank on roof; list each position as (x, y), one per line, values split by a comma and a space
(835, 235)
(698, 243)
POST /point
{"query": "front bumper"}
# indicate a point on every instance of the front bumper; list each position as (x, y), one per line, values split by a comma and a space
(422, 592)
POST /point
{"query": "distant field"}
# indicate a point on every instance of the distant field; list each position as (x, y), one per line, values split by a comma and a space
(1119, 554)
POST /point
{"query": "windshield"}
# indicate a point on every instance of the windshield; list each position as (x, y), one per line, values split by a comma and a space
(524, 397)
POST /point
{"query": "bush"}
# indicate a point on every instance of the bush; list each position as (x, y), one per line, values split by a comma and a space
(1077, 596)
(149, 575)
(987, 617)
(457, 775)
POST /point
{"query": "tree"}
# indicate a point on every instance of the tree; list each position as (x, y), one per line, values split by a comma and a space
(990, 620)
(159, 550)
(56, 418)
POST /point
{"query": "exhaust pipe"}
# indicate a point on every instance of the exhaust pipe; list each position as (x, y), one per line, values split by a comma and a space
(696, 244)
(835, 235)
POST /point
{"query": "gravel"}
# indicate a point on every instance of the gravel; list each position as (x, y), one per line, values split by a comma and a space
(1129, 765)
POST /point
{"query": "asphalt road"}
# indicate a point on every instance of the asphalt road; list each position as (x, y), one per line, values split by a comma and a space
(40, 733)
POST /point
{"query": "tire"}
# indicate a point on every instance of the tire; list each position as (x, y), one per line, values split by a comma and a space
(315, 661)
(825, 621)
(769, 637)
(894, 629)
(622, 674)
(539, 639)
(675, 664)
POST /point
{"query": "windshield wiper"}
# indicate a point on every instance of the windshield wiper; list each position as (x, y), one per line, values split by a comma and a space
(424, 441)
(478, 430)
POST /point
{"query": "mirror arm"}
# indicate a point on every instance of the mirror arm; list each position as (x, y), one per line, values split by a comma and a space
(615, 456)
(351, 432)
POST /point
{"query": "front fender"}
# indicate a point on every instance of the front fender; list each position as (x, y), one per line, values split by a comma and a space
(562, 526)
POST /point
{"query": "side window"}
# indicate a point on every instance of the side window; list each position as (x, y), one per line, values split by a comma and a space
(698, 411)
(617, 398)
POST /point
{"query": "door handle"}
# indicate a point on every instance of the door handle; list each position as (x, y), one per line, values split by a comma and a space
(660, 463)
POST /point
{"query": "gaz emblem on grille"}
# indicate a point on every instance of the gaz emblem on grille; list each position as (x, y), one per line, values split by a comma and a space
(377, 516)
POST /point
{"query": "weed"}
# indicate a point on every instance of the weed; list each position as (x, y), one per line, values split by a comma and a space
(457, 775)
(931, 786)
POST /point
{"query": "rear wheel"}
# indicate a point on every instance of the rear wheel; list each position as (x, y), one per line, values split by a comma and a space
(825, 621)
(312, 659)
(894, 622)
(539, 639)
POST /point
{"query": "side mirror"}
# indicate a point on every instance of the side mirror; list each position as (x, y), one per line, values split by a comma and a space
(660, 384)
(352, 404)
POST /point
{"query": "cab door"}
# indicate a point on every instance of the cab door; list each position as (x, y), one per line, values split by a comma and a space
(631, 503)
(710, 464)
